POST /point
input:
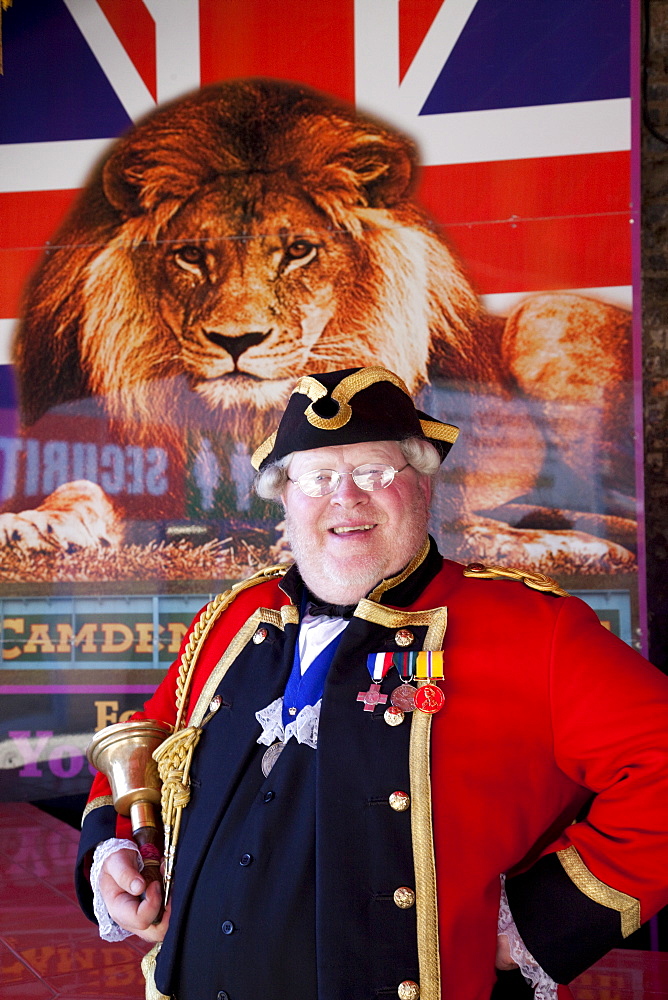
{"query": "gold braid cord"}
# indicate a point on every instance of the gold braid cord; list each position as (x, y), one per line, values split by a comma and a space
(174, 756)
(537, 581)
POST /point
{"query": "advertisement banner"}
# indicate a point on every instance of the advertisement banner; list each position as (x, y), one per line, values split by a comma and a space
(203, 200)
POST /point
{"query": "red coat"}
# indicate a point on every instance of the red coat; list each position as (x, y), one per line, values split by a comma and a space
(547, 717)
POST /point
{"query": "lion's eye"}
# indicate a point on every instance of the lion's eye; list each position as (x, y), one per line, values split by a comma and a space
(300, 250)
(190, 257)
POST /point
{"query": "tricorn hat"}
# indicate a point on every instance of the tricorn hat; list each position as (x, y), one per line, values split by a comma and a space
(347, 407)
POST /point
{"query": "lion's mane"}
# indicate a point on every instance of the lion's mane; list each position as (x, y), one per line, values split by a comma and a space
(94, 323)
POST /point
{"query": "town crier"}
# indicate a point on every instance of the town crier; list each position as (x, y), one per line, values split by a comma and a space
(388, 775)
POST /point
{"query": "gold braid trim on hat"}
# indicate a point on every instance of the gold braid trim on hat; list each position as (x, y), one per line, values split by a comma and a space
(440, 431)
(342, 394)
(262, 450)
(627, 906)
(348, 387)
(174, 755)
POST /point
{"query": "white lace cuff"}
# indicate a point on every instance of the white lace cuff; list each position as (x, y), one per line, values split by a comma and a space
(304, 727)
(109, 929)
(544, 987)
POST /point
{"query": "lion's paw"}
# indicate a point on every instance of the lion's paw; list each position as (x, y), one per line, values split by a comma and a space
(75, 516)
(549, 551)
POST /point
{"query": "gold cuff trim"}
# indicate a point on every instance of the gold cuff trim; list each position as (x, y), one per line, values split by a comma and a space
(148, 968)
(426, 900)
(97, 803)
(577, 871)
(442, 432)
(394, 581)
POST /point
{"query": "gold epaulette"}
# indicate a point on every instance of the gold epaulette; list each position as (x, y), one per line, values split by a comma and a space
(537, 581)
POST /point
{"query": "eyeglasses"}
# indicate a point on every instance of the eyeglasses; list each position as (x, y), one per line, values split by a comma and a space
(371, 477)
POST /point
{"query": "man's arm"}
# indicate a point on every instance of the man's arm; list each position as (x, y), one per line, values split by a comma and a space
(609, 871)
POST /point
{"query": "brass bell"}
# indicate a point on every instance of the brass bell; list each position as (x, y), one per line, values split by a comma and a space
(123, 753)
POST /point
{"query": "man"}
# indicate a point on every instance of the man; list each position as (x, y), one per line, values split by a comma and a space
(368, 744)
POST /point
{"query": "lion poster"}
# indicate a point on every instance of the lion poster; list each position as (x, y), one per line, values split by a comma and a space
(206, 200)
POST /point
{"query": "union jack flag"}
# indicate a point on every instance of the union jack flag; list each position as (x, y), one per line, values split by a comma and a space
(521, 110)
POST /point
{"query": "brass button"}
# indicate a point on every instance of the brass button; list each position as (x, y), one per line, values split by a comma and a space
(404, 637)
(400, 801)
(260, 636)
(408, 990)
(215, 703)
(404, 897)
(476, 568)
(393, 716)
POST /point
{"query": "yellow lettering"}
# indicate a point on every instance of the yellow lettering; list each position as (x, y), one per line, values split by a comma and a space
(176, 631)
(107, 714)
(109, 643)
(85, 638)
(145, 637)
(16, 625)
(124, 716)
(39, 636)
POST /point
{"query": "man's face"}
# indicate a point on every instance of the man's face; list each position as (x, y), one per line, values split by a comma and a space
(346, 542)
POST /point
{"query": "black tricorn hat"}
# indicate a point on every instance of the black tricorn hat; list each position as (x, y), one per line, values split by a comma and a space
(347, 407)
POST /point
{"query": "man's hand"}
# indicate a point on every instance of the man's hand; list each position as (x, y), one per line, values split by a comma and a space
(503, 960)
(121, 885)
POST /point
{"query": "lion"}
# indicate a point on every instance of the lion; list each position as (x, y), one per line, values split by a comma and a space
(255, 231)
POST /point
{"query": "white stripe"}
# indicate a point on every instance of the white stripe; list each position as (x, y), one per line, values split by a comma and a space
(378, 667)
(177, 46)
(434, 51)
(522, 133)
(48, 166)
(105, 45)
(6, 334)
(468, 136)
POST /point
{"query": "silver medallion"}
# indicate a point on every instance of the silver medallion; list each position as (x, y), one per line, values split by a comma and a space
(270, 756)
(404, 697)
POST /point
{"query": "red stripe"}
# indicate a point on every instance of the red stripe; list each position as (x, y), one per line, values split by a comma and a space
(301, 40)
(415, 18)
(521, 225)
(135, 29)
(527, 189)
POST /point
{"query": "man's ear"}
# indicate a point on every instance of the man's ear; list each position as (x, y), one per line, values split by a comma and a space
(426, 487)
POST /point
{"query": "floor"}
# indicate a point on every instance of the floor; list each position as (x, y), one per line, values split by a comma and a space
(49, 949)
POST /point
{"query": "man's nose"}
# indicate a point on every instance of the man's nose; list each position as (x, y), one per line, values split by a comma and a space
(348, 494)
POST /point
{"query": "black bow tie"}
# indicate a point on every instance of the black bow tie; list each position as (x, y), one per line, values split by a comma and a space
(316, 607)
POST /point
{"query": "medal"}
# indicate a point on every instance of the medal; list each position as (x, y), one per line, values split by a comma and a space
(372, 697)
(403, 697)
(270, 756)
(429, 699)
(393, 716)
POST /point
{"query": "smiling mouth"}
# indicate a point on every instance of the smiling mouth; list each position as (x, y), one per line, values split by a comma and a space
(352, 528)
